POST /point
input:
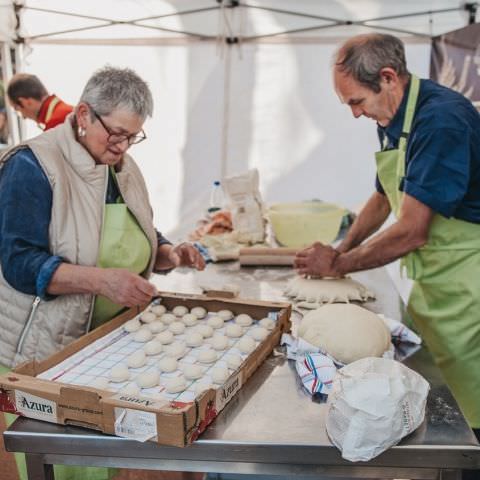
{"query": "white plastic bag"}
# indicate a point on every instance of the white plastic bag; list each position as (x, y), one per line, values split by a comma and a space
(374, 403)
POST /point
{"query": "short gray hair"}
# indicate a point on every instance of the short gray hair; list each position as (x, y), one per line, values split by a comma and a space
(113, 88)
(364, 56)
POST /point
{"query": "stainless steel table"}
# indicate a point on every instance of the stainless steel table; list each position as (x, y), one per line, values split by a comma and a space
(271, 426)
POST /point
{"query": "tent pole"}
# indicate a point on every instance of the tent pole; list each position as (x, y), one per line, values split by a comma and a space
(7, 74)
(226, 111)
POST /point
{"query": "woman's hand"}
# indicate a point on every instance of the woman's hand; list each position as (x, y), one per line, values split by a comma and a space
(125, 288)
(182, 255)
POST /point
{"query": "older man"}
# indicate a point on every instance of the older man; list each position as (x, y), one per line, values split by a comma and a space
(428, 175)
(30, 98)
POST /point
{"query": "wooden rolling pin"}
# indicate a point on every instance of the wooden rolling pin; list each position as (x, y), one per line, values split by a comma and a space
(267, 256)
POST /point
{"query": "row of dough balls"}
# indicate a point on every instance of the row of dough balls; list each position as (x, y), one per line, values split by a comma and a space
(168, 321)
(120, 373)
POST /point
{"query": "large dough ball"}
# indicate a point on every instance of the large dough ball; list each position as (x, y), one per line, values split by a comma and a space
(347, 332)
(220, 342)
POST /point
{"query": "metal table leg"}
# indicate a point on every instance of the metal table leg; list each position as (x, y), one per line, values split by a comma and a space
(37, 469)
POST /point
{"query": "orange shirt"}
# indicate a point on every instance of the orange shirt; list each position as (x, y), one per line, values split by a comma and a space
(52, 112)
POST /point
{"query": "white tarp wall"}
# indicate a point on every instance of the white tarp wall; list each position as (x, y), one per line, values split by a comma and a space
(274, 109)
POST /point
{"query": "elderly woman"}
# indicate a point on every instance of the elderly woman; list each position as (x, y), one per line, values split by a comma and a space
(77, 241)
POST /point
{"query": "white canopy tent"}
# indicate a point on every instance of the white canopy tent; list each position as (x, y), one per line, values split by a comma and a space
(236, 85)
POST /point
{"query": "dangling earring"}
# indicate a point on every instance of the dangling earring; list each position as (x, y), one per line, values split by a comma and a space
(81, 132)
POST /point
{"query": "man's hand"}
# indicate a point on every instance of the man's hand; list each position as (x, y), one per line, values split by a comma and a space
(317, 260)
(125, 288)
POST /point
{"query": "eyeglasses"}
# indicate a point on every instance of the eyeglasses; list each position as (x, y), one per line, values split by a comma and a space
(114, 138)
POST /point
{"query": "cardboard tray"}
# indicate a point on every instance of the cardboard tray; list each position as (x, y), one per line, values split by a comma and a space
(168, 423)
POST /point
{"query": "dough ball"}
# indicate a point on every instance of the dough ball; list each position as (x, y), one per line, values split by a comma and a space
(143, 335)
(148, 317)
(193, 372)
(177, 328)
(175, 385)
(267, 323)
(130, 389)
(234, 361)
(168, 364)
(225, 315)
(176, 350)
(346, 331)
(234, 331)
(157, 326)
(101, 383)
(206, 331)
(189, 319)
(259, 333)
(158, 310)
(165, 337)
(148, 379)
(132, 325)
(137, 359)
(244, 320)
(219, 375)
(119, 373)
(199, 312)
(194, 339)
(220, 342)
(215, 322)
(246, 345)
(168, 318)
(180, 311)
(202, 387)
(207, 356)
(154, 347)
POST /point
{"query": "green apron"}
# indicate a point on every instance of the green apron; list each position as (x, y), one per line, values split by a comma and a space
(445, 299)
(123, 244)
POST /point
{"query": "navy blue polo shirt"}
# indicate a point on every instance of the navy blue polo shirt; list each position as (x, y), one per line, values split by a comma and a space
(443, 152)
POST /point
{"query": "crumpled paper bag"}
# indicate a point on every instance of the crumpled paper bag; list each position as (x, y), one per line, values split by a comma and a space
(374, 403)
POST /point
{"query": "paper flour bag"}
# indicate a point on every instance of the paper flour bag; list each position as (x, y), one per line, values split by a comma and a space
(374, 403)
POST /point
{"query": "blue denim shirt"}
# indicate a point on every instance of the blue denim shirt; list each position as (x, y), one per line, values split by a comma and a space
(25, 212)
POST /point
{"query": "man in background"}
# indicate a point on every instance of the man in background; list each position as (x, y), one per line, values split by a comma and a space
(30, 98)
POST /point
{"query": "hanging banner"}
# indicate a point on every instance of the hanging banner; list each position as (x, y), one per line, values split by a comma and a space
(455, 61)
